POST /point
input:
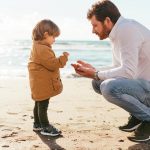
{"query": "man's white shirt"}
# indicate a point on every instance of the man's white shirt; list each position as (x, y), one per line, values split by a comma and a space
(131, 51)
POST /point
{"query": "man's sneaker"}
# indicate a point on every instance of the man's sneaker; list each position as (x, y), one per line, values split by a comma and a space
(142, 133)
(37, 127)
(132, 124)
(51, 131)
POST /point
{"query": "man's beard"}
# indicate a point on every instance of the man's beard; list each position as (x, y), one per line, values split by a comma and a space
(105, 32)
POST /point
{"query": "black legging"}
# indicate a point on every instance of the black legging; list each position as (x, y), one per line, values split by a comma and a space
(40, 112)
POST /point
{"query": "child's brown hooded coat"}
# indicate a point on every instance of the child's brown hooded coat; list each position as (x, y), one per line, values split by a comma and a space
(44, 72)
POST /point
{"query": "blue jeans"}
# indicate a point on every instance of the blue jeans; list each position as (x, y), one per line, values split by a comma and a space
(133, 95)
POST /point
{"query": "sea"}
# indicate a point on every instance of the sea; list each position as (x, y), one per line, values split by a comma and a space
(14, 55)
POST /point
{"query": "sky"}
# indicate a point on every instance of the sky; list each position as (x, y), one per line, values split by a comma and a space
(18, 17)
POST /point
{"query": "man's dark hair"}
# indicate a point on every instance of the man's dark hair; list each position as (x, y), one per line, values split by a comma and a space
(103, 9)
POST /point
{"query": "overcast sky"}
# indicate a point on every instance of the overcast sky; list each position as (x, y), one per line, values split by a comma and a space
(18, 17)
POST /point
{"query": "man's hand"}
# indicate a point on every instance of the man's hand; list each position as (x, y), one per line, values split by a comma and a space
(85, 64)
(76, 66)
(86, 72)
(84, 69)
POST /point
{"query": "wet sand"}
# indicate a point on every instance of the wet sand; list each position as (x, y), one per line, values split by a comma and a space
(87, 120)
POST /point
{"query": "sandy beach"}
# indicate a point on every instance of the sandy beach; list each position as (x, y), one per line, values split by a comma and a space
(87, 120)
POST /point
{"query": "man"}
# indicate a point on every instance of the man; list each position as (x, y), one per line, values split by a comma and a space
(127, 82)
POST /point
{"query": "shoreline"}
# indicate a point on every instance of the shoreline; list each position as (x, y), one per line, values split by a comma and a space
(64, 75)
(87, 120)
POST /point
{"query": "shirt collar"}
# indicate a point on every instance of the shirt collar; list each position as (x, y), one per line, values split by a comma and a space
(114, 29)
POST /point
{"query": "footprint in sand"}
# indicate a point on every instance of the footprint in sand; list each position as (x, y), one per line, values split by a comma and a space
(18, 128)
(1, 125)
(59, 111)
(5, 145)
(35, 146)
(7, 130)
(25, 138)
(12, 134)
(12, 113)
(31, 117)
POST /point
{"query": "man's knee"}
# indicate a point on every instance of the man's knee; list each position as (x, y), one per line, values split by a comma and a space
(108, 87)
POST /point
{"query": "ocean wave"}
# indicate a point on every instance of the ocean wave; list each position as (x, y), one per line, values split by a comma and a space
(14, 55)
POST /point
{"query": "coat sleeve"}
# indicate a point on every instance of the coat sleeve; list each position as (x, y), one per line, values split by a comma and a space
(48, 59)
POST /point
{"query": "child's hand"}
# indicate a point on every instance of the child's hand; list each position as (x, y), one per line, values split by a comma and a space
(66, 54)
